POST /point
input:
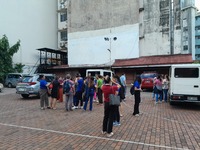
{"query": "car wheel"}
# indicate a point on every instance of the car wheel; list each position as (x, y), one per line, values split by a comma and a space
(9, 85)
(25, 95)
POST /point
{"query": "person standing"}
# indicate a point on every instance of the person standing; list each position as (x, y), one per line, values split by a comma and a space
(117, 113)
(70, 93)
(44, 101)
(89, 92)
(165, 84)
(158, 89)
(54, 93)
(109, 110)
(137, 89)
(99, 91)
(123, 82)
(60, 90)
(79, 91)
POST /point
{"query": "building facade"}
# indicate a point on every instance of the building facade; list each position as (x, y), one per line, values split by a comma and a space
(197, 36)
(34, 23)
(142, 28)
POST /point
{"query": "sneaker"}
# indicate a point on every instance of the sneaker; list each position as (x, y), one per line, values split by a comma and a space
(137, 115)
(115, 123)
(48, 107)
(54, 108)
(156, 102)
(118, 124)
(110, 134)
(81, 107)
(42, 108)
(74, 107)
(103, 132)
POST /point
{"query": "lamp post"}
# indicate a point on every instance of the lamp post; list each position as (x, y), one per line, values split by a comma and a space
(110, 40)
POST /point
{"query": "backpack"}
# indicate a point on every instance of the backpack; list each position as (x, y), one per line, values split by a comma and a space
(67, 87)
(132, 90)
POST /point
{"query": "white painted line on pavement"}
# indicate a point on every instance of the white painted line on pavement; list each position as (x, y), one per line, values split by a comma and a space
(94, 137)
(189, 124)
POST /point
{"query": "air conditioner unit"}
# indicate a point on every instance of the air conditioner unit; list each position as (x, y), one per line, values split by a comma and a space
(63, 44)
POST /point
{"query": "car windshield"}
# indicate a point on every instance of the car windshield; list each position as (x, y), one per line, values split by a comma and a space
(27, 79)
(49, 78)
(144, 76)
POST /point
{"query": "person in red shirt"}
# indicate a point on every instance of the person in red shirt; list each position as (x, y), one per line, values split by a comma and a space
(109, 110)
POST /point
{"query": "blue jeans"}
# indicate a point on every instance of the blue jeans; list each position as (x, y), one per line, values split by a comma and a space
(90, 98)
(165, 91)
(158, 96)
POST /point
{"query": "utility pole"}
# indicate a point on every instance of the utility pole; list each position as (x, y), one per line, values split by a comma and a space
(171, 28)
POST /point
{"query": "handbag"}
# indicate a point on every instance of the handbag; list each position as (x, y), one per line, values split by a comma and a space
(114, 100)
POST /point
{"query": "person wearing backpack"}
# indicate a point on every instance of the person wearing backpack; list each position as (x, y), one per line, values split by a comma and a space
(68, 89)
(89, 92)
(137, 89)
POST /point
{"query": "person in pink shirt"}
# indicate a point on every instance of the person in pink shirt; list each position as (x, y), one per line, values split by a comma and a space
(158, 89)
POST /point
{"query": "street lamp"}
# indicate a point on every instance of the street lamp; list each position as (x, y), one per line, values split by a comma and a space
(110, 40)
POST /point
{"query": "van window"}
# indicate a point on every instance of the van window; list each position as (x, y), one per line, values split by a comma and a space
(93, 73)
(107, 73)
(186, 72)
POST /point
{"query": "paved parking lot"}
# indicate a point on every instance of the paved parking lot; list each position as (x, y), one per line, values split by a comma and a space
(24, 126)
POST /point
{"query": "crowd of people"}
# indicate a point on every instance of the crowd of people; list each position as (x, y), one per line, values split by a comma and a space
(79, 91)
(161, 88)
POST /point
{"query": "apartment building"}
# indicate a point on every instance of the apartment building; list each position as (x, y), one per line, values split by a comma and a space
(197, 36)
(130, 35)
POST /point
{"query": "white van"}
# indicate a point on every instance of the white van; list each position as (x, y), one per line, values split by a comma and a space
(102, 72)
(185, 83)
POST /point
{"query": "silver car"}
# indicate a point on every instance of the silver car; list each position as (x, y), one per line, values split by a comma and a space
(1, 87)
(30, 85)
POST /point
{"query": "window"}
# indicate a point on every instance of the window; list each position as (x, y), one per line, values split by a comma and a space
(197, 37)
(63, 36)
(185, 47)
(63, 17)
(186, 72)
(197, 46)
(107, 73)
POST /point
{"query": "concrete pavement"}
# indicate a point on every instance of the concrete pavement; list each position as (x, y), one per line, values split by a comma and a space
(24, 126)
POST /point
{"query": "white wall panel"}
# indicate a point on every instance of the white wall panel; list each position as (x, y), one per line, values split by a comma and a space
(90, 48)
(34, 22)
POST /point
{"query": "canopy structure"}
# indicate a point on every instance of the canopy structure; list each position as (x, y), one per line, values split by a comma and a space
(52, 57)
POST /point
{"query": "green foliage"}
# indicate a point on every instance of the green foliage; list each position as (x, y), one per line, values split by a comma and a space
(18, 68)
(6, 54)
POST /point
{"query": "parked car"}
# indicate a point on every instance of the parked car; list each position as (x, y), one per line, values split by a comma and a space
(30, 85)
(13, 78)
(1, 87)
(147, 80)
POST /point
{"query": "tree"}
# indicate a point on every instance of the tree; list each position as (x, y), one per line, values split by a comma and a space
(6, 54)
(18, 67)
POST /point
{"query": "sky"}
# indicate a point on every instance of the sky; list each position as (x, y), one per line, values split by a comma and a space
(197, 3)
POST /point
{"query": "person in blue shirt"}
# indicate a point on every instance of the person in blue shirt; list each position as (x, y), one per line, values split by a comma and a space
(79, 91)
(137, 88)
(44, 100)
